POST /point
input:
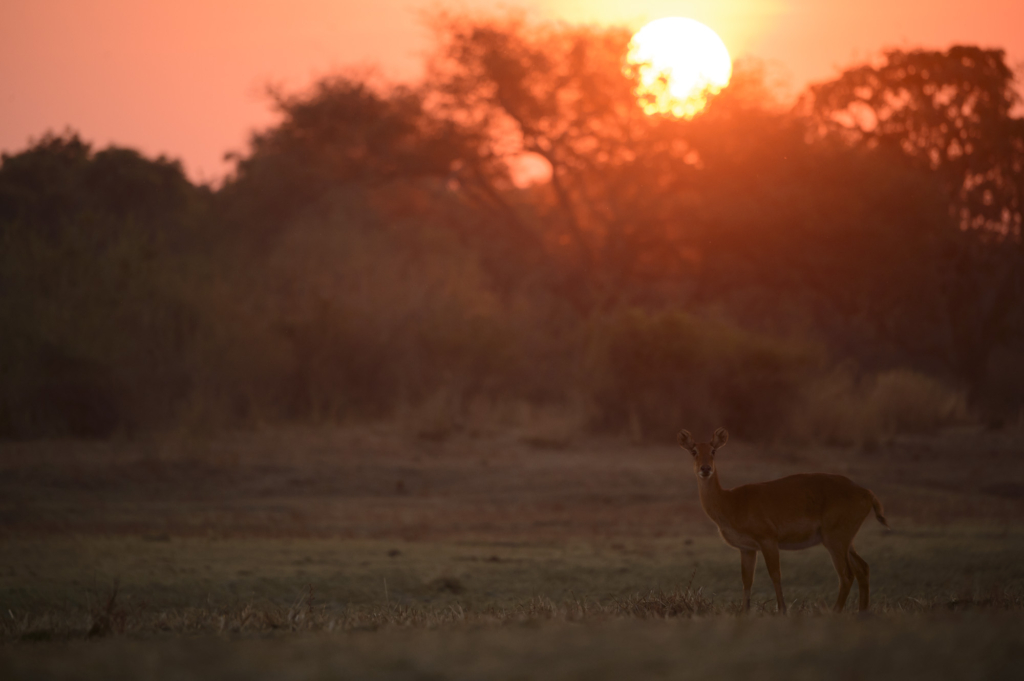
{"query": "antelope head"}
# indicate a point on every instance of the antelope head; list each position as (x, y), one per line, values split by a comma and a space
(703, 452)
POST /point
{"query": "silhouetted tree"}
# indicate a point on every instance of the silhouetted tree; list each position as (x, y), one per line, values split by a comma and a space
(565, 97)
(94, 255)
(61, 183)
(950, 113)
(342, 136)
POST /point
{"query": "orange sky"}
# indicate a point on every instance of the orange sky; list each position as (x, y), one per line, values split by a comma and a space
(186, 78)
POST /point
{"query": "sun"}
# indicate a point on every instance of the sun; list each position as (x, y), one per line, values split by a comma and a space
(680, 62)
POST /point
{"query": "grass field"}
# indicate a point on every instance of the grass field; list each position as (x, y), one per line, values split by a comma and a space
(370, 553)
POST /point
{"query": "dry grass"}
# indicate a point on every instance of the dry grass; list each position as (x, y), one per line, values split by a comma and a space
(75, 588)
(308, 614)
(483, 483)
(495, 558)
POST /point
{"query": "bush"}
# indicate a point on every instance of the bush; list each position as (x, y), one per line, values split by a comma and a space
(909, 402)
(655, 372)
(840, 408)
(373, 315)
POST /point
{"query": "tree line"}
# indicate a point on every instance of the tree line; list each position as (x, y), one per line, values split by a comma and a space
(376, 249)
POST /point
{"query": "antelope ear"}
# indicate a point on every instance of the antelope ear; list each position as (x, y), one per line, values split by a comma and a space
(720, 437)
(685, 439)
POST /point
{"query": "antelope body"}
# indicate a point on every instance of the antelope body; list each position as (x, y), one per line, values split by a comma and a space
(791, 513)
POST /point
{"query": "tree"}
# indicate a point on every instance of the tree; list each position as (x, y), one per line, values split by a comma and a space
(565, 97)
(60, 183)
(98, 262)
(950, 113)
(341, 135)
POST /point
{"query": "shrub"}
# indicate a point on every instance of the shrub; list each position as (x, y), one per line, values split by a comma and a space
(843, 409)
(655, 372)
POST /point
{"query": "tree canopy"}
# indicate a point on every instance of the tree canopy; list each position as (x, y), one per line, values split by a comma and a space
(382, 246)
(950, 114)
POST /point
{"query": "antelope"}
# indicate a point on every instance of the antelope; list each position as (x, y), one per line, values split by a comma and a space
(791, 513)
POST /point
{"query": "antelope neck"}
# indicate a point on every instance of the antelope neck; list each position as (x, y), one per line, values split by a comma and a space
(710, 490)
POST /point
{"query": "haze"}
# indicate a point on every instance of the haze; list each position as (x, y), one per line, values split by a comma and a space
(188, 79)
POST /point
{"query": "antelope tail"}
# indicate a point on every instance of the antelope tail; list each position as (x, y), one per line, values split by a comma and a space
(879, 511)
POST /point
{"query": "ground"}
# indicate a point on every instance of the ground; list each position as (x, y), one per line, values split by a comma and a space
(371, 552)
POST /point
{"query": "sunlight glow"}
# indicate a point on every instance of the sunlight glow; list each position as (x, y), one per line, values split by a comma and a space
(680, 62)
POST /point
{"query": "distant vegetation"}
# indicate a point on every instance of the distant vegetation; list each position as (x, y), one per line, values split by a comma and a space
(852, 264)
